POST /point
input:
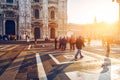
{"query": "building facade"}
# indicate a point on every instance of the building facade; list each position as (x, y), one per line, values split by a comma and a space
(49, 18)
(9, 17)
(35, 18)
(25, 19)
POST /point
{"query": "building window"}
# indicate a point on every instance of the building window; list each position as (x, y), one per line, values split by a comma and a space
(9, 1)
(36, 13)
(52, 15)
(36, 0)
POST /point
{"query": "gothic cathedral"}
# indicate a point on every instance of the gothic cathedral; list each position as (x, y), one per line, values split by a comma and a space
(35, 18)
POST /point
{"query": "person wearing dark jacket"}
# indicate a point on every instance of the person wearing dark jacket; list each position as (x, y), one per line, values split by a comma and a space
(63, 43)
(56, 43)
(79, 45)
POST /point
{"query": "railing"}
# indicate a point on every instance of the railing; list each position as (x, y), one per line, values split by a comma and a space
(9, 6)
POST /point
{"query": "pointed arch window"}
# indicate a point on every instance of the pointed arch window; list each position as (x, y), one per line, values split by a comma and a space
(52, 15)
(9, 1)
(36, 13)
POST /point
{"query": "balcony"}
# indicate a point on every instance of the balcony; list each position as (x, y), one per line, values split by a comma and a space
(9, 6)
(52, 2)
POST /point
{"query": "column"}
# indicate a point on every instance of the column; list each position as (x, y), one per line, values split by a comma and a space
(45, 18)
(4, 27)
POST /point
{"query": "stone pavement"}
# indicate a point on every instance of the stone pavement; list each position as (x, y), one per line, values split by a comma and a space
(35, 60)
(92, 67)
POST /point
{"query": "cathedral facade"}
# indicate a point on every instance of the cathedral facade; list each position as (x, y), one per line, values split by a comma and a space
(49, 18)
(35, 18)
(9, 17)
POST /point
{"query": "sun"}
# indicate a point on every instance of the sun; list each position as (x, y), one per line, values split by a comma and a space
(104, 12)
(109, 15)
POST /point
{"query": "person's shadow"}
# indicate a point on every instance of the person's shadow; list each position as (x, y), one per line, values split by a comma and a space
(105, 74)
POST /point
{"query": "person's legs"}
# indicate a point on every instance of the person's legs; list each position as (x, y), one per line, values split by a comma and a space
(55, 45)
(81, 56)
(73, 46)
(107, 54)
(78, 51)
(70, 46)
(59, 45)
(64, 46)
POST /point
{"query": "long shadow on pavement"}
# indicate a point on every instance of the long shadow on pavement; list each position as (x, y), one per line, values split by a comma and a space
(106, 72)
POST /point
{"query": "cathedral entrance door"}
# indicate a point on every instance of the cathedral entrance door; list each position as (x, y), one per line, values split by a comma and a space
(37, 33)
(10, 27)
(52, 31)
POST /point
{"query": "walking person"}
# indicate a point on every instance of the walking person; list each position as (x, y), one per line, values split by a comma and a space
(28, 39)
(89, 40)
(56, 43)
(60, 42)
(79, 45)
(72, 43)
(0, 37)
(63, 44)
(107, 49)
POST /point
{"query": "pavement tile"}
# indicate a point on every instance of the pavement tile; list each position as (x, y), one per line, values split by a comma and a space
(21, 76)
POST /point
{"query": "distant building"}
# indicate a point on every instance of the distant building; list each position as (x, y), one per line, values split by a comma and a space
(35, 18)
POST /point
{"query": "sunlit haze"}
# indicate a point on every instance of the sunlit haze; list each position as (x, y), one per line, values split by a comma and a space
(84, 11)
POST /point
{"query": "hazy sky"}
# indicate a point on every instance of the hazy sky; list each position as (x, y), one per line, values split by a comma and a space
(84, 11)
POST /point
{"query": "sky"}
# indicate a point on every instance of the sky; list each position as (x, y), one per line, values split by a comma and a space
(84, 11)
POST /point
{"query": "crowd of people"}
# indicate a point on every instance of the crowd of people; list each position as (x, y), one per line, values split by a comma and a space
(8, 37)
(76, 43)
(61, 42)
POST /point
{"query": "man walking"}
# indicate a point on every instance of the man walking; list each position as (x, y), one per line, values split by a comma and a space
(107, 49)
(56, 41)
(79, 45)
